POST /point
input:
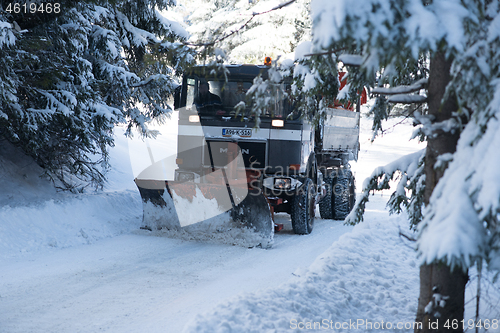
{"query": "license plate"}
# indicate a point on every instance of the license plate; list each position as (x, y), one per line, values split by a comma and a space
(242, 132)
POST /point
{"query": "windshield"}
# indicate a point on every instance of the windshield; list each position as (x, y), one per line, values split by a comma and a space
(219, 98)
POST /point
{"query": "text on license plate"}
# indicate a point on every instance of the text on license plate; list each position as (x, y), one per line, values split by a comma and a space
(243, 132)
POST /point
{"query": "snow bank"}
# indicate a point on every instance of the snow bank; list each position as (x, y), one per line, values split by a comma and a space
(35, 217)
(83, 219)
(355, 281)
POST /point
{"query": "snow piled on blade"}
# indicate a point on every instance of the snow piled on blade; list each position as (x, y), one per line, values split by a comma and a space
(205, 208)
(180, 212)
(346, 282)
(455, 227)
(219, 229)
(200, 220)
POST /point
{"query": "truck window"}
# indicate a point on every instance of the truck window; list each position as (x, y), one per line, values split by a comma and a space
(234, 91)
(276, 96)
(191, 84)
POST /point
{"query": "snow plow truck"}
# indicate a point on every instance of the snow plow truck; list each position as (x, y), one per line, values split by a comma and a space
(229, 177)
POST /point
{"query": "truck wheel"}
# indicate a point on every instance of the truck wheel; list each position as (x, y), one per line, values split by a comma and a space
(303, 206)
(343, 194)
(326, 204)
(352, 193)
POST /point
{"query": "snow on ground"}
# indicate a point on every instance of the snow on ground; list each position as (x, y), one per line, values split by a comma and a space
(79, 263)
(19, 178)
(76, 220)
(368, 275)
(138, 283)
(356, 281)
(366, 281)
(35, 217)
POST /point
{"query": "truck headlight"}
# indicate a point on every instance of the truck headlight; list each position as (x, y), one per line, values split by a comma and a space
(194, 119)
(277, 123)
(283, 183)
(182, 176)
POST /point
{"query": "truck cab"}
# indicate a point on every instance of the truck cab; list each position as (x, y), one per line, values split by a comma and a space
(284, 158)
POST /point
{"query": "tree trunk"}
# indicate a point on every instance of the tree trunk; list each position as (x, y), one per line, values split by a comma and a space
(437, 279)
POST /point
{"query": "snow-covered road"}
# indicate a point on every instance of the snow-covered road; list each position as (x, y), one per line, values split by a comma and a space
(142, 283)
(82, 265)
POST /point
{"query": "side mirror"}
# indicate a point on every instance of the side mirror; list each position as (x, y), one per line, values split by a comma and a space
(177, 97)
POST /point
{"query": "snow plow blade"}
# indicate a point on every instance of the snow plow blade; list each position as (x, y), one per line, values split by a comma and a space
(196, 189)
(217, 213)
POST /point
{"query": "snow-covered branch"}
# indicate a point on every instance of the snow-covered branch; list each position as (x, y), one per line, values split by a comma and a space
(409, 170)
(351, 59)
(417, 86)
(324, 53)
(402, 94)
(7, 37)
(461, 222)
(65, 85)
(431, 129)
(407, 99)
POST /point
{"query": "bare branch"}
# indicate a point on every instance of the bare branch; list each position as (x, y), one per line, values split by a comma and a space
(411, 239)
(240, 28)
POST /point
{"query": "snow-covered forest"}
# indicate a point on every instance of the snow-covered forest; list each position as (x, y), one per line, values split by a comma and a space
(80, 79)
(70, 74)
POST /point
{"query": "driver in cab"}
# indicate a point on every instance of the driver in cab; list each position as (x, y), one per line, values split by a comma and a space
(206, 101)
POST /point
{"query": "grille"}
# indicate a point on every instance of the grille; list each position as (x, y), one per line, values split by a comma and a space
(223, 152)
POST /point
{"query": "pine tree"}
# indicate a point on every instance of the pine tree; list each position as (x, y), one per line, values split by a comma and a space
(69, 76)
(449, 49)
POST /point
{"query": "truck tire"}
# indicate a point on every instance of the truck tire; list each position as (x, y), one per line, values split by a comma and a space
(303, 208)
(343, 194)
(326, 203)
